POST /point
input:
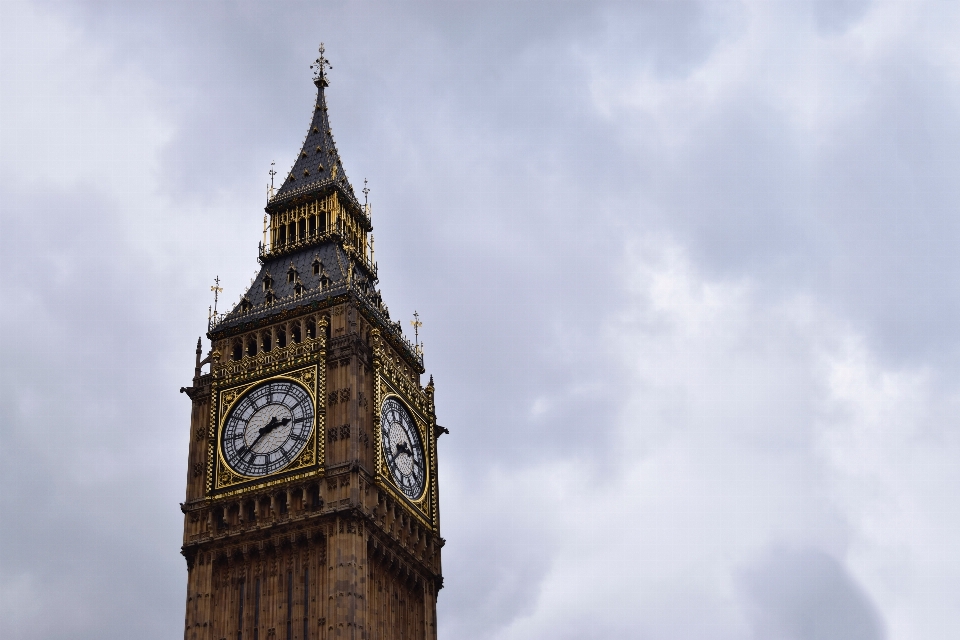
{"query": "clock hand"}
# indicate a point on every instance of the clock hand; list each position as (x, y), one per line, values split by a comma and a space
(273, 424)
(244, 450)
(262, 431)
(403, 448)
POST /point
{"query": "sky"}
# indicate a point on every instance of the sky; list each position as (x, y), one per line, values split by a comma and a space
(687, 272)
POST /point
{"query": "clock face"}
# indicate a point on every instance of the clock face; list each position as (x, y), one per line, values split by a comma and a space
(402, 450)
(267, 428)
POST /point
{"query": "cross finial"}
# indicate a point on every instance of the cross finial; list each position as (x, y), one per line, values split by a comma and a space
(319, 73)
(416, 327)
(366, 191)
(216, 288)
(271, 173)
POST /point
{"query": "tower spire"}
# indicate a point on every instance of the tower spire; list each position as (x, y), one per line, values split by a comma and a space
(318, 168)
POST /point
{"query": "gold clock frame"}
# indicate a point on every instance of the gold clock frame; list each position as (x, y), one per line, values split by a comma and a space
(224, 481)
(423, 508)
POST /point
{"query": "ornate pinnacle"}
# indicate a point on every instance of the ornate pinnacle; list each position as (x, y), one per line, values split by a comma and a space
(319, 67)
(416, 328)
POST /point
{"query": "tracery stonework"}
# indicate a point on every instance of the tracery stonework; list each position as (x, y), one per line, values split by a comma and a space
(311, 508)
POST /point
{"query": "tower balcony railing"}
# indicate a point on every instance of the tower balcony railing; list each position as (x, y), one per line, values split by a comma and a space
(277, 249)
(365, 293)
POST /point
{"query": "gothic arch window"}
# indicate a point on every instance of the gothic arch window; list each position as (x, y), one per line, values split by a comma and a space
(266, 341)
(311, 328)
(252, 345)
(237, 349)
(317, 266)
(281, 337)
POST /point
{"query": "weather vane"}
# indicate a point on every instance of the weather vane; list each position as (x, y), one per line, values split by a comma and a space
(318, 66)
(416, 328)
(216, 288)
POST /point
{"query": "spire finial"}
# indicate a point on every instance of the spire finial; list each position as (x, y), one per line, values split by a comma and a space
(216, 288)
(271, 173)
(319, 73)
(416, 327)
(366, 191)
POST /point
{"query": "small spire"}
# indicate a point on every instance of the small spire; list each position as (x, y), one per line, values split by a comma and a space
(271, 173)
(319, 66)
(366, 193)
(416, 328)
(216, 288)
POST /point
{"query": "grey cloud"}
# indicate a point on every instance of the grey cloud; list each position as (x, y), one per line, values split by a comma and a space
(512, 173)
(805, 594)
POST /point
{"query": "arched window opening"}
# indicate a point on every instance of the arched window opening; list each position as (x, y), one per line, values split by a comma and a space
(317, 266)
(303, 228)
(266, 341)
(295, 333)
(313, 497)
(281, 337)
(311, 328)
(281, 235)
(298, 289)
(252, 346)
(292, 273)
(237, 350)
(267, 282)
(313, 226)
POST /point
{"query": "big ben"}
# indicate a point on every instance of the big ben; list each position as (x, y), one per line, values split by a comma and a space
(311, 507)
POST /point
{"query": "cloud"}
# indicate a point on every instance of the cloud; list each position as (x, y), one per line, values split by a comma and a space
(763, 459)
(806, 594)
(685, 270)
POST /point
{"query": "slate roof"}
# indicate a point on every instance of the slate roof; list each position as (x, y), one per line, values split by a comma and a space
(334, 265)
(318, 166)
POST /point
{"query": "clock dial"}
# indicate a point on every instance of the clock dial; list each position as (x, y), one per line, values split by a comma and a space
(267, 428)
(402, 450)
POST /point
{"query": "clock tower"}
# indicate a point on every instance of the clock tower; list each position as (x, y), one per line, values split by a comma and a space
(312, 508)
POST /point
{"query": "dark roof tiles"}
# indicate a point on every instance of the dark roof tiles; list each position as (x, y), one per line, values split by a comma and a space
(318, 165)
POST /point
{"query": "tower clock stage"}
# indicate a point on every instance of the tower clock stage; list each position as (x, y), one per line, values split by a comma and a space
(312, 506)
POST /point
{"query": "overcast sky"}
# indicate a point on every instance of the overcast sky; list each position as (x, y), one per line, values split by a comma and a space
(688, 273)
